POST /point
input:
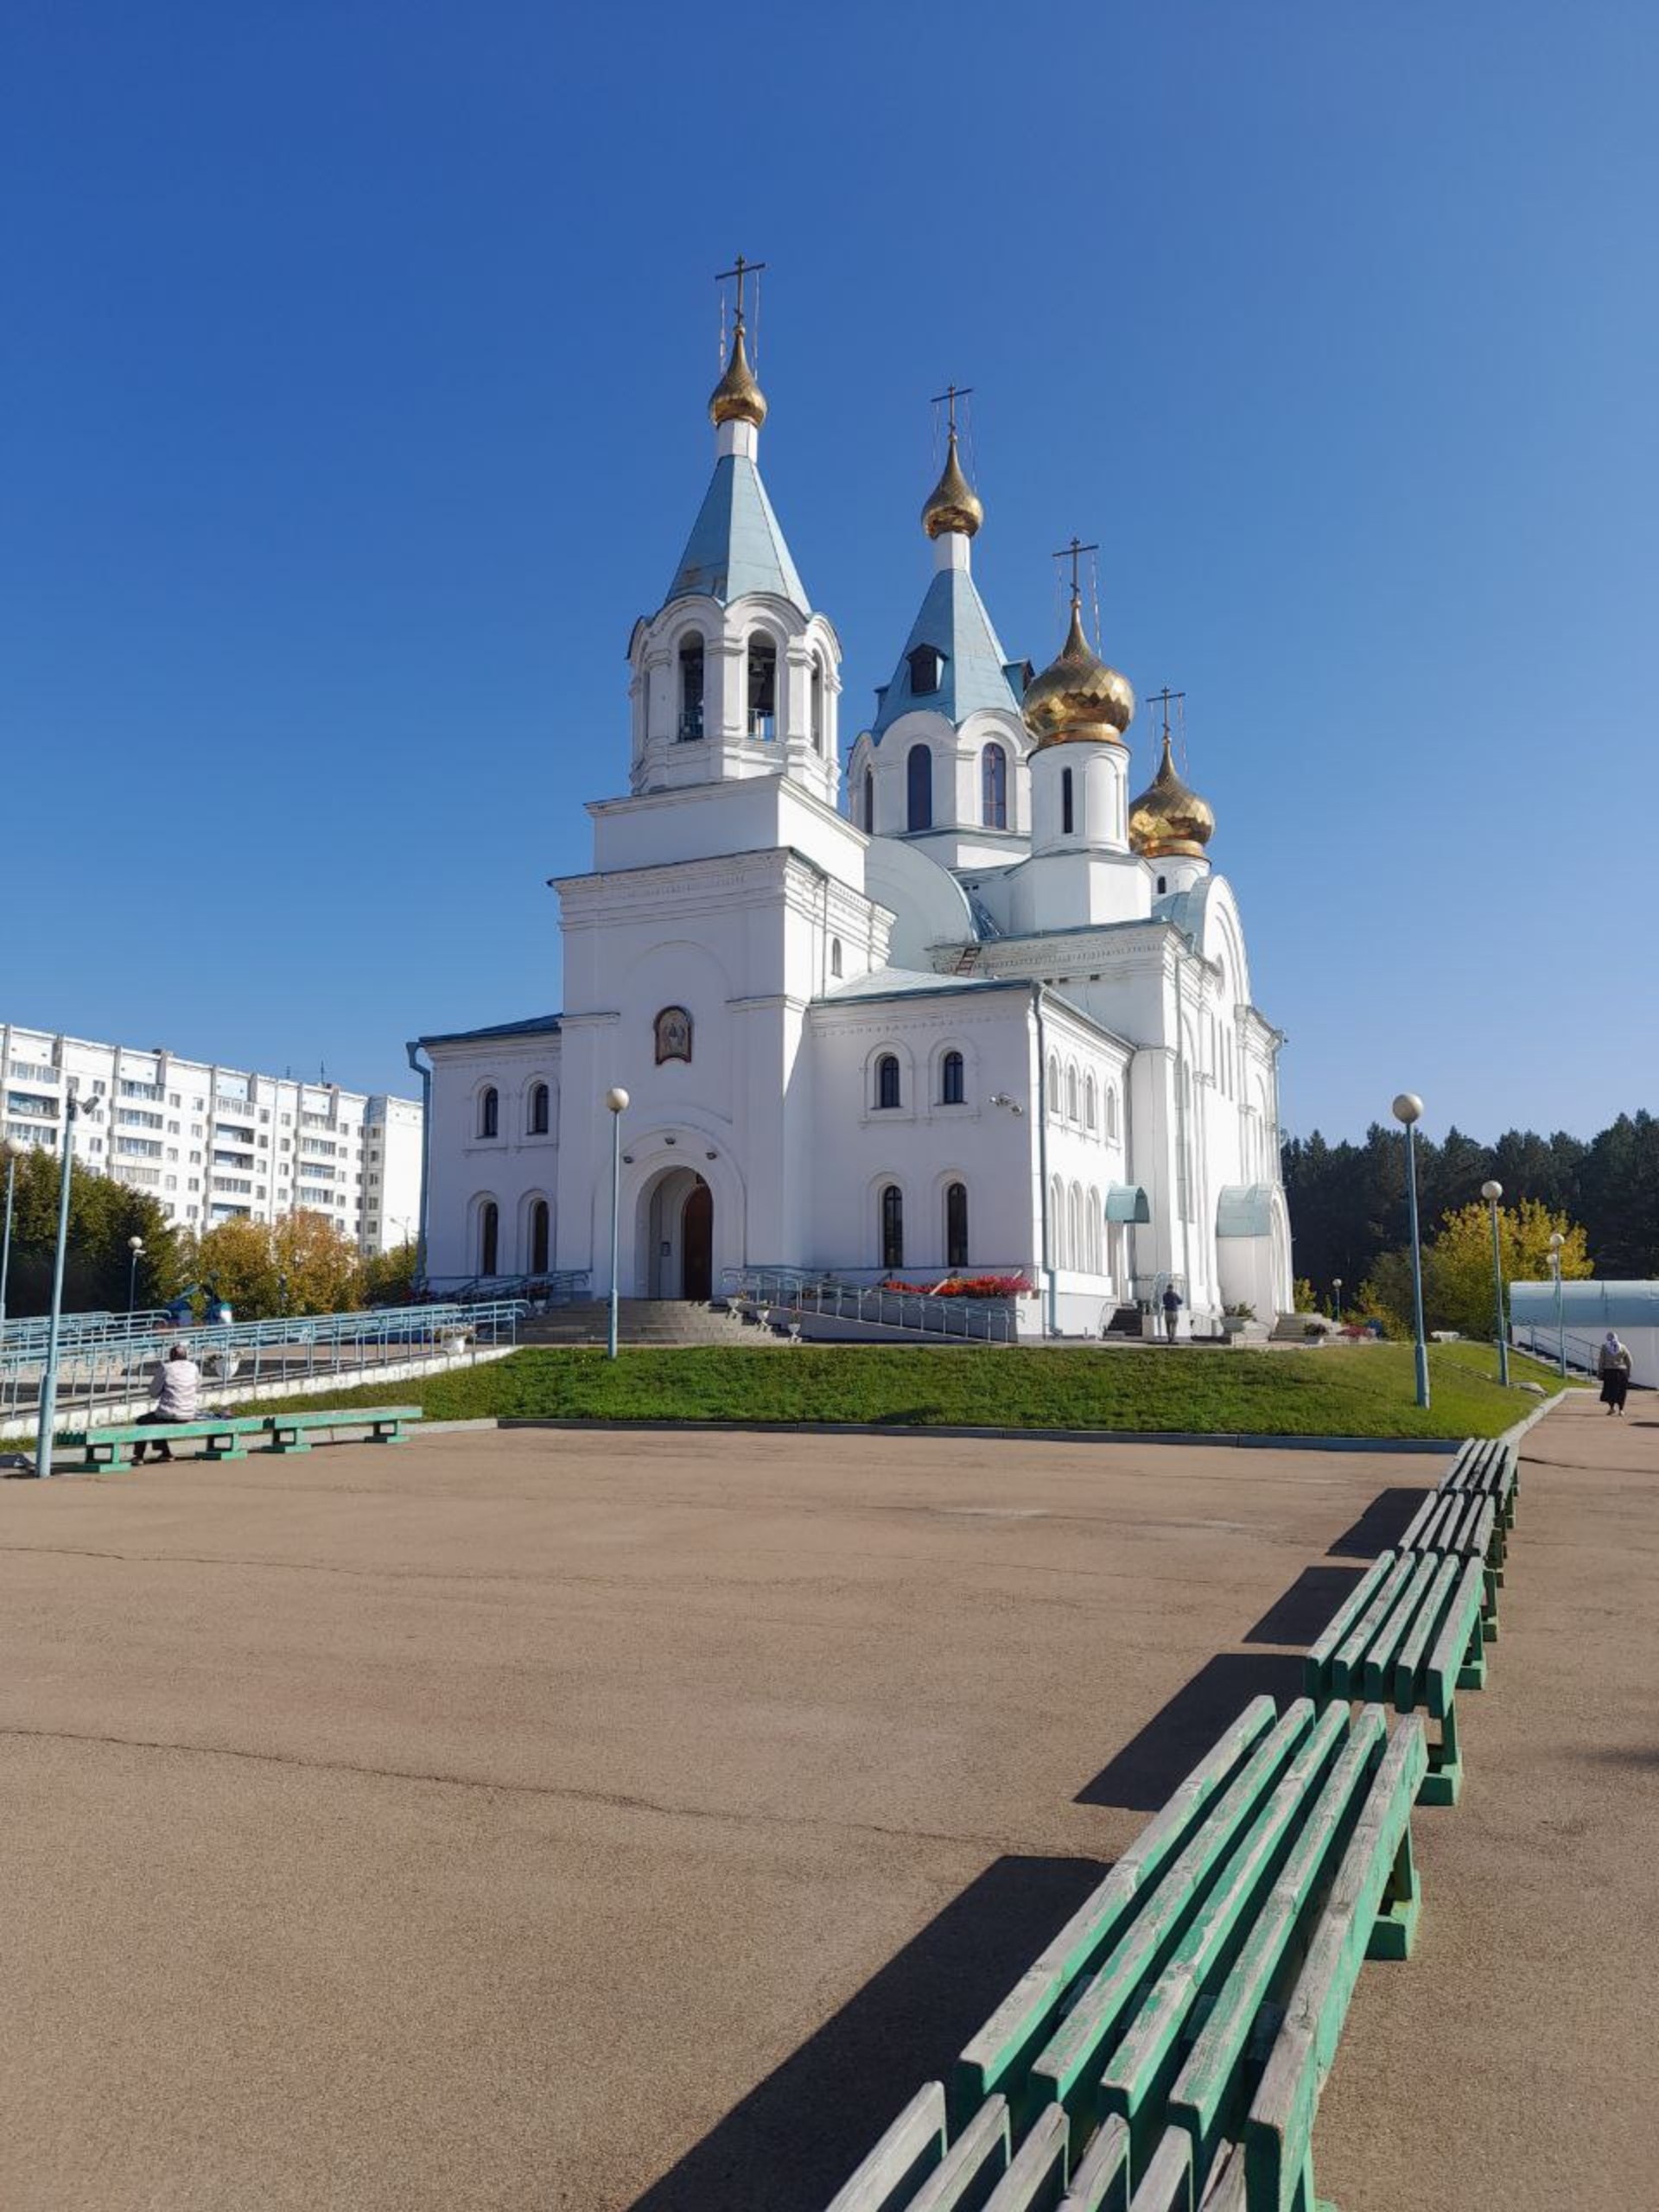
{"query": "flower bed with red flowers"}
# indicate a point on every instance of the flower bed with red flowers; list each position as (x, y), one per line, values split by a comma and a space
(966, 1286)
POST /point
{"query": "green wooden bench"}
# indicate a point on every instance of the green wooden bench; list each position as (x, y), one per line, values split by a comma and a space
(1412, 1631)
(220, 1438)
(292, 1431)
(1160, 1981)
(1490, 1467)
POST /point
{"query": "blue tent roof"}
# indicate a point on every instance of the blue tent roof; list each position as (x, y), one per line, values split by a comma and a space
(736, 546)
(954, 622)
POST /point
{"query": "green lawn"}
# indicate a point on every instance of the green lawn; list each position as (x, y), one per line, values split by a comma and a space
(1339, 1390)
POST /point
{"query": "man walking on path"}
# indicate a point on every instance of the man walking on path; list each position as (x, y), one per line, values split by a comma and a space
(1171, 1308)
(178, 1396)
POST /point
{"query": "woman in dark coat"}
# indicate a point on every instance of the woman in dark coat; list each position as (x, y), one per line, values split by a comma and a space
(1613, 1365)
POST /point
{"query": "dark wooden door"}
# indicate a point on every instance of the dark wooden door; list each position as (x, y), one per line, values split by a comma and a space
(697, 1243)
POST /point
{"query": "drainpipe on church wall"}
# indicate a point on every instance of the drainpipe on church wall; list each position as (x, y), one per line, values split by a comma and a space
(1184, 1158)
(425, 1073)
(1051, 1326)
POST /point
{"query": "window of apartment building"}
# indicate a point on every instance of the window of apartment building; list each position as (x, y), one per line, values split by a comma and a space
(172, 1128)
(173, 1098)
(195, 1159)
(169, 1182)
(172, 1151)
(264, 1113)
(194, 1183)
(99, 1086)
(130, 1090)
(287, 1121)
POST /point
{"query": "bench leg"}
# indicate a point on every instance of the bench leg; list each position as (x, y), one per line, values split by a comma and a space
(1471, 1675)
(1488, 1605)
(383, 1435)
(298, 1442)
(1395, 1928)
(223, 1448)
(1444, 1781)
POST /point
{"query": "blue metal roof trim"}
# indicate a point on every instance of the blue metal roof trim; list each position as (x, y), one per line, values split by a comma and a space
(954, 621)
(736, 546)
(1244, 1209)
(539, 1025)
(1127, 1201)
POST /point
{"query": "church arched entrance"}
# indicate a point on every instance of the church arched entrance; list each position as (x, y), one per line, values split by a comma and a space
(678, 1222)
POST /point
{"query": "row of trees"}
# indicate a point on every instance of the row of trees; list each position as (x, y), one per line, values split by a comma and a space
(302, 1264)
(1349, 1218)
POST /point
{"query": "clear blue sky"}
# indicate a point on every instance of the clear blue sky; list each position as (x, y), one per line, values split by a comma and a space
(353, 365)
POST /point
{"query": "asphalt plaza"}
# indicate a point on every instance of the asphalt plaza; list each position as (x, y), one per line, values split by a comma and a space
(539, 1818)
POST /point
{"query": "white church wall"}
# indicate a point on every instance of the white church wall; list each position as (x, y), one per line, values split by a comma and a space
(511, 1169)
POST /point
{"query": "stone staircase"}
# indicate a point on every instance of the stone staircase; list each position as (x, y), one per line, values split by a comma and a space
(661, 1321)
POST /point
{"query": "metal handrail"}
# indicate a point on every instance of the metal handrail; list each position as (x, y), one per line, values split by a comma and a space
(1543, 1343)
(318, 1348)
(794, 1290)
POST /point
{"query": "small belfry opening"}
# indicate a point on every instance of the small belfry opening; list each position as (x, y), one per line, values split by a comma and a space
(691, 681)
(763, 687)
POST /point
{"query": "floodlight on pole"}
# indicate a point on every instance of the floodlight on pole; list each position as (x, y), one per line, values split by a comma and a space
(1493, 1193)
(11, 1153)
(1336, 1285)
(1409, 1111)
(617, 1100)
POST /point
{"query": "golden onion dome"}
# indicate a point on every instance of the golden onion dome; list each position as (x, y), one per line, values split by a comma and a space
(737, 397)
(1077, 698)
(1167, 817)
(952, 503)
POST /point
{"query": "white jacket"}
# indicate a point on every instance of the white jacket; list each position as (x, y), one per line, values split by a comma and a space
(180, 1390)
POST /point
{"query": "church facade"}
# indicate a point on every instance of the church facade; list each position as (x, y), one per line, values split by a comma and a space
(978, 1012)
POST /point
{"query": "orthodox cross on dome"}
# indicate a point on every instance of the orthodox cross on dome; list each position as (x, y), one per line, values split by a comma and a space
(1074, 553)
(740, 269)
(1165, 699)
(947, 399)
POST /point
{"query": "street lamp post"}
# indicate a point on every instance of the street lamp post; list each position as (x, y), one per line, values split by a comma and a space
(1335, 1284)
(1407, 1110)
(617, 1100)
(1493, 1193)
(11, 1153)
(135, 1247)
(72, 1111)
(1556, 1240)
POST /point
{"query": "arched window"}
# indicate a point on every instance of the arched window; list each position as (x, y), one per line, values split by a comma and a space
(869, 801)
(538, 1237)
(489, 1236)
(1089, 1102)
(1066, 801)
(1074, 1228)
(489, 1113)
(537, 1122)
(1091, 1215)
(1056, 1102)
(886, 1080)
(893, 1227)
(927, 667)
(1163, 885)
(835, 955)
(691, 687)
(918, 781)
(1111, 1112)
(1057, 1224)
(993, 788)
(817, 704)
(951, 1090)
(763, 686)
(955, 1225)
(1072, 1094)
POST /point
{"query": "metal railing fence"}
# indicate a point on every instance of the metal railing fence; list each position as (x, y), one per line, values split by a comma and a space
(319, 1350)
(794, 1290)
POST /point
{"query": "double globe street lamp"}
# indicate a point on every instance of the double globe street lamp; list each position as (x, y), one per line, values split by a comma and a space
(1556, 1240)
(1408, 1110)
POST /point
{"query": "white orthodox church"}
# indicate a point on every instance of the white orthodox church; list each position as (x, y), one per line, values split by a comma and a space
(991, 1016)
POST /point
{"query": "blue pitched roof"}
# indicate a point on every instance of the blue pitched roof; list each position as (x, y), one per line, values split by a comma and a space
(954, 621)
(736, 546)
(539, 1025)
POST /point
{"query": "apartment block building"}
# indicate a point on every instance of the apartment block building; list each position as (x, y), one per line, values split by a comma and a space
(212, 1143)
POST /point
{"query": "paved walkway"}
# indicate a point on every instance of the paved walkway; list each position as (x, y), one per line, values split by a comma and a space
(531, 1819)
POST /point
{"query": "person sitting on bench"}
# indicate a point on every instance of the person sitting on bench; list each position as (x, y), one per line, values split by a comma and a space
(177, 1393)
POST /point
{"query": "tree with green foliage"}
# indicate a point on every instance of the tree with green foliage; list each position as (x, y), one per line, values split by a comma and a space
(103, 1216)
(389, 1276)
(301, 1264)
(1458, 1288)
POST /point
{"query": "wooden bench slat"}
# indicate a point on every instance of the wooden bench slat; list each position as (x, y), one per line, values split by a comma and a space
(1166, 2185)
(1149, 2054)
(1016, 2028)
(1408, 1669)
(1036, 2180)
(1350, 1654)
(1059, 2071)
(1209, 2076)
(982, 2149)
(1377, 1674)
(1316, 1668)
(1418, 1524)
(1279, 2129)
(1101, 2175)
(1446, 1660)
(910, 2149)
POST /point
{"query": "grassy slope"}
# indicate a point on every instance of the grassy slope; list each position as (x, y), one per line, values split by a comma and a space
(1341, 1391)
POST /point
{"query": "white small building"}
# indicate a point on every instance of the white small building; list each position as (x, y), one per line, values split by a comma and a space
(994, 1016)
(213, 1143)
(1580, 1322)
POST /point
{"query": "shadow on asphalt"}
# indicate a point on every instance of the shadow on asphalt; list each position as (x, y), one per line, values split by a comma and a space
(1143, 1773)
(1383, 1524)
(1305, 1611)
(792, 2141)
